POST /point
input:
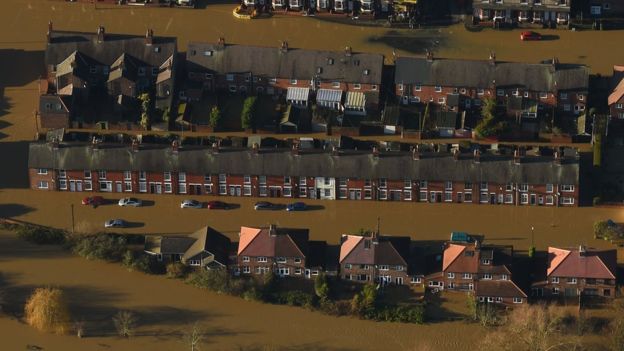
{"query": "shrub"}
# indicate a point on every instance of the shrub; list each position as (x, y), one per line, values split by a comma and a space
(403, 314)
(46, 310)
(531, 251)
(248, 112)
(41, 235)
(596, 200)
(321, 287)
(133, 262)
(295, 298)
(215, 117)
(176, 270)
(101, 246)
(125, 323)
(215, 280)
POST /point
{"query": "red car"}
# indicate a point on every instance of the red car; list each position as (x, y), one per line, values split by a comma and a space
(217, 205)
(93, 200)
(530, 36)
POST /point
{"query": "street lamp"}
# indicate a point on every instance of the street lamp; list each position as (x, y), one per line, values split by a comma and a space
(532, 236)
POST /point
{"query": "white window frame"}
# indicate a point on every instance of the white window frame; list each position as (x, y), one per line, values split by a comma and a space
(43, 184)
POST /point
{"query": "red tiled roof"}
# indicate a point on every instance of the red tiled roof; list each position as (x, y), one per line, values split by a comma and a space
(498, 288)
(282, 242)
(456, 259)
(348, 245)
(590, 264)
(618, 90)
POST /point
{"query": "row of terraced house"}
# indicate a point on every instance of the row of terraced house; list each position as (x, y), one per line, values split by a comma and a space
(97, 80)
(465, 263)
(540, 177)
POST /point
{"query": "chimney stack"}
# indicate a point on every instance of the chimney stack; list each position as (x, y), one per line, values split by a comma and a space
(334, 151)
(100, 33)
(272, 230)
(284, 47)
(95, 143)
(348, 51)
(135, 145)
(416, 152)
(517, 158)
(149, 37)
(175, 146)
(582, 250)
(492, 58)
(221, 42)
(255, 148)
(215, 148)
(375, 151)
(54, 143)
(456, 154)
(429, 56)
(477, 156)
(49, 33)
(295, 150)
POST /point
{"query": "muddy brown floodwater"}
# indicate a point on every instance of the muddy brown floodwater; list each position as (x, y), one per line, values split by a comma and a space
(97, 290)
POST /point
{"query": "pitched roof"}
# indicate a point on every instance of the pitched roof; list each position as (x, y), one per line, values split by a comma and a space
(483, 74)
(468, 258)
(617, 83)
(350, 164)
(64, 43)
(498, 288)
(451, 253)
(576, 263)
(168, 245)
(386, 250)
(273, 242)
(210, 240)
(350, 242)
(273, 62)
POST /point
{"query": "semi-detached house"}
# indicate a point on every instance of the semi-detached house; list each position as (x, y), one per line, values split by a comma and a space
(519, 11)
(318, 174)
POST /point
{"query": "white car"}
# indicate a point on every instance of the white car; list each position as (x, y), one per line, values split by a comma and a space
(191, 204)
(130, 201)
(115, 223)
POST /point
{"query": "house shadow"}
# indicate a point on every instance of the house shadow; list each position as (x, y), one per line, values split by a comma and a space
(15, 173)
(315, 207)
(437, 312)
(416, 43)
(147, 203)
(14, 210)
(13, 248)
(202, 4)
(131, 225)
(550, 37)
(31, 66)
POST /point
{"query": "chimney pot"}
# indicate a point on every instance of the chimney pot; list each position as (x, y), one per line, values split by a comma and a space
(348, 51)
(135, 145)
(295, 150)
(429, 56)
(255, 148)
(375, 151)
(516, 157)
(492, 58)
(477, 156)
(149, 37)
(221, 41)
(215, 148)
(416, 153)
(175, 146)
(284, 47)
(455, 154)
(100, 33)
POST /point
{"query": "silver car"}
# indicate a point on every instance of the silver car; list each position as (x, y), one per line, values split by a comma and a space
(115, 223)
(191, 204)
(130, 201)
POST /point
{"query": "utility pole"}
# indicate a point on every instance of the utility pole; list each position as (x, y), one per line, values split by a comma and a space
(72, 218)
(532, 237)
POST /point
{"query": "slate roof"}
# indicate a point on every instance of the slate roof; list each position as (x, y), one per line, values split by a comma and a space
(210, 240)
(446, 119)
(273, 62)
(591, 264)
(283, 242)
(280, 162)
(483, 74)
(64, 43)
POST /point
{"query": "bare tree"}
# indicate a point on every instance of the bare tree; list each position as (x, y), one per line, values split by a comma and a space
(125, 323)
(194, 337)
(47, 310)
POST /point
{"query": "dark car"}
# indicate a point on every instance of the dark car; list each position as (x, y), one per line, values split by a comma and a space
(296, 206)
(530, 36)
(217, 205)
(93, 200)
(265, 205)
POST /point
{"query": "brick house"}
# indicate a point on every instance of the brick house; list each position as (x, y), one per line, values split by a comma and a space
(518, 11)
(605, 8)
(375, 258)
(319, 174)
(206, 248)
(484, 270)
(331, 79)
(526, 91)
(283, 251)
(96, 78)
(578, 271)
(616, 98)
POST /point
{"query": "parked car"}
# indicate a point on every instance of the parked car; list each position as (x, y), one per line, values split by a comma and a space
(115, 223)
(265, 205)
(93, 200)
(217, 205)
(296, 206)
(190, 204)
(530, 36)
(130, 201)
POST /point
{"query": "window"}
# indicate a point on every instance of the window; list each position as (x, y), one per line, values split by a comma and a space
(247, 190)
(182, 188)
(554, 280)
(450, 275)
(42, 184)
(500, 92)
(517, 300)
(567, 188)
(127, 175)
(343, 193)
(508, 198)
(555, 291)
(524, 198)
(168, 187)
(401, 87)
(327, 181)
(383, 194)
(422, 196)
(417, 88)
(549, 188)
(448, 185)
(384, 267)
(62, 173)
(619, 106)
(448, 196)
(262, 190)
(297, 260)
(485, 261)
(423, 184)
(142, 175)
(438, 89)
(549, 200)
(467, 197)
(281, 260)
(480, 92)
(247, 179)
(374, 87)
(327, 192)
(88, 185)
(509, 187)
(167, 176)
(298, 271)
(368, 194)
(347, 265)
(484, 186)
(287, 191)
(466, 276)
(182, 177)
(581, 97)
(229, 77)
(487, 276)
(262, 259)
(571, 281)
(222, 178)
(467, 186)
(287, 180)
(356, 86)
(102, 174)
(523, 187)
(441, 100)
(42, 171)
(563, 96)
(246, 269)
(543, 95)
(63, 184)
(128, 186)
(262, 180)
(504, 277)
(87, 174)
(335, 84)
(293, 81)
(499, 299)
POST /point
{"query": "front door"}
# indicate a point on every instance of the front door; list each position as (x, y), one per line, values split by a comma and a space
(500, 198)
(432, 196)
(399, 281)
(118, 187)
(78, 185)
(72, 185)
(459, 197)
(540, 200)
(533, 199)
(492, 198)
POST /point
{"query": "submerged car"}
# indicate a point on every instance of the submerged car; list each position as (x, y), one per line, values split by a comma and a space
(217, 205)
(265, 205)
(530, 36)
(93, 200)
(115, 223)
(130, 201)
(190, 204)
(296, 206)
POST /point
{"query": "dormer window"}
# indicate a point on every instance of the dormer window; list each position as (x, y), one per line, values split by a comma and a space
(485, 261)
(208, 53)
(157, 49)
(366, 72)
(141, 71)
(154, 71)
(319, 70)
(367, 244)
(330, 61)
(93, 69)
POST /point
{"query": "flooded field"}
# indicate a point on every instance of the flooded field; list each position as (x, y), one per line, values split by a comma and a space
(98, 290)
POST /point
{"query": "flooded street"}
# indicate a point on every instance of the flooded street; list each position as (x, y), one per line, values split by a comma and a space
(165, 305)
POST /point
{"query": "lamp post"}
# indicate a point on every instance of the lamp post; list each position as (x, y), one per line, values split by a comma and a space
(532, 236)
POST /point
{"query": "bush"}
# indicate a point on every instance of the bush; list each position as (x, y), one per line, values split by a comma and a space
(41, 235)
(321, 287)
(596, 200)
(295, 298)
(46, 310)
(248, 112)
(101, 246)
(134, 262)
(215, 280)
(403, 314)
(531, 251)
(176, 270)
